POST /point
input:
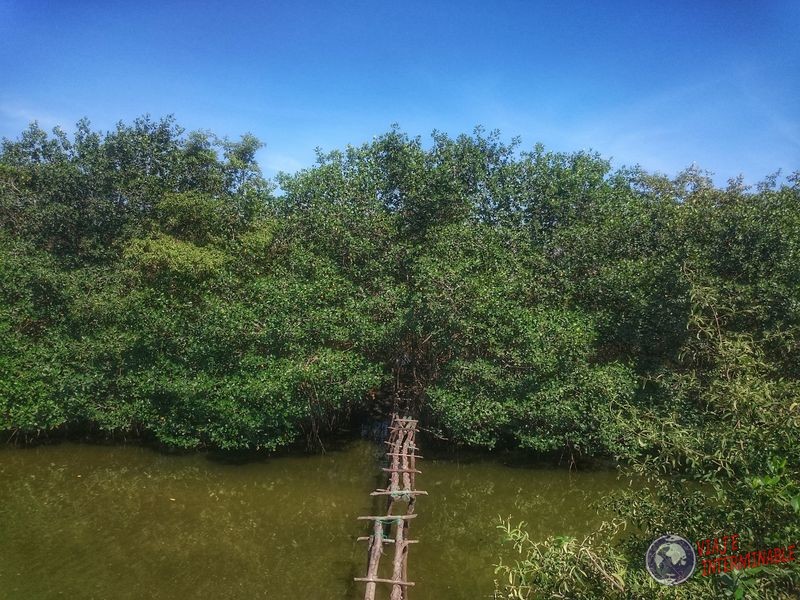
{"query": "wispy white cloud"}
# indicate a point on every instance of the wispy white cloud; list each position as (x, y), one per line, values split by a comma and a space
(18, 116)
(768, 109)
(273, 162)
(702, 122)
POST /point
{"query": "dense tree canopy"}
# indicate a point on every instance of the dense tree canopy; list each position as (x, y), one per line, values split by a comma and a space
(153, 282)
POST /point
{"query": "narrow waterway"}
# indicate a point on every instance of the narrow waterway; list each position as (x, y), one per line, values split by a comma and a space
(84, 521)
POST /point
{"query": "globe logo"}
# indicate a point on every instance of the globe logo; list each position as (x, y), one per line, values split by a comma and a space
(670, 559)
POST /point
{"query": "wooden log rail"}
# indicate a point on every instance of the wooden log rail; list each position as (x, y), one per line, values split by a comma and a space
(400, 489)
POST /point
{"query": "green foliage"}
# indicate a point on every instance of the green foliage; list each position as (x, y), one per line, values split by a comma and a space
(151, 283)
(563, 567)
(717, 450)
(173, 262)
(181, 319)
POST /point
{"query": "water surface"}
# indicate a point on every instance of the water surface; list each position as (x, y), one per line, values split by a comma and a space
(127, 522)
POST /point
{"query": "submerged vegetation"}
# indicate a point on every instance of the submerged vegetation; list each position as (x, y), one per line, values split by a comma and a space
(153, 282)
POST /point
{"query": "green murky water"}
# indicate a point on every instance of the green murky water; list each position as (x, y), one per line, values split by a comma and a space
(85, 521)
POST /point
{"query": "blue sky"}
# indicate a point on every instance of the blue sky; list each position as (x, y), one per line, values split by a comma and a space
(663, 84)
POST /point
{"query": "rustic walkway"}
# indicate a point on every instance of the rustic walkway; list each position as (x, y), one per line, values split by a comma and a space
(400, 489)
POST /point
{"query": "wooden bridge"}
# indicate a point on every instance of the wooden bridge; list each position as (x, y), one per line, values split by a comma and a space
(391, 529)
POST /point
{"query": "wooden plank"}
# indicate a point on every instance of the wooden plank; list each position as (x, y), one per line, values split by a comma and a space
(392, 581)
(393, 443)
(402, 470)
(375, 552)
(387, 517)
(394, 479)
(397, 564)
(389, 470)
(408, 480)
(366, 538)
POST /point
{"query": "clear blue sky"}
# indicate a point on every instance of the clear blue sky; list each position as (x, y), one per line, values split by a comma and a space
(660, 84)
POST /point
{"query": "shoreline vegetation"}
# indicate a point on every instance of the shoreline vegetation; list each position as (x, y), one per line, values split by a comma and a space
(153, 283)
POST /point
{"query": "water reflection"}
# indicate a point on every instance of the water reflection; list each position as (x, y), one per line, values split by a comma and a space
(82, 521)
